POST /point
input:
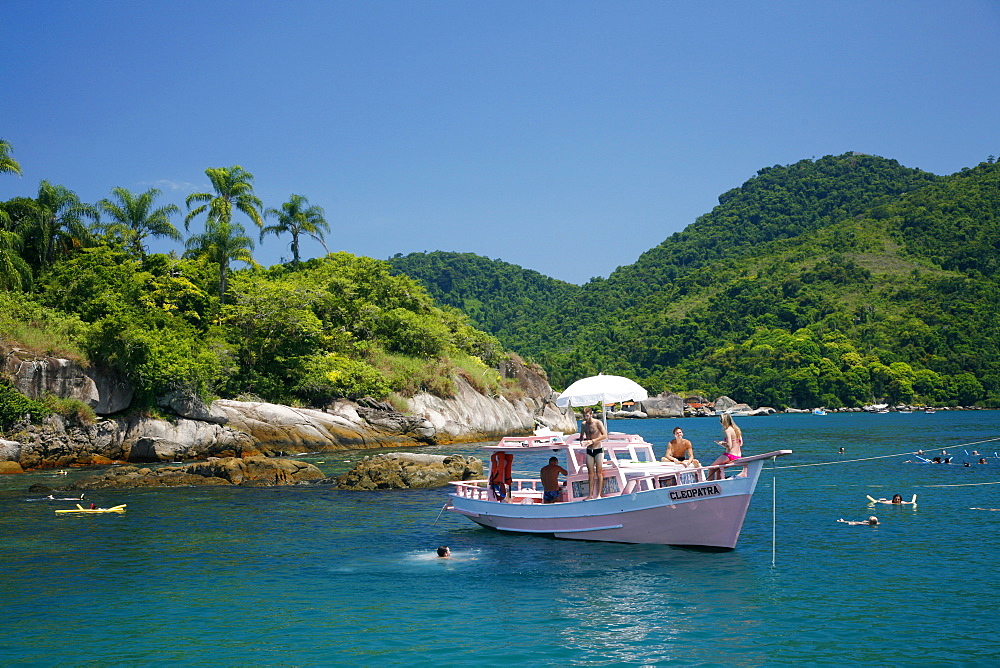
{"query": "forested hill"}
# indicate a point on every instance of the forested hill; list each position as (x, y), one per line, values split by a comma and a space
(889, 293)
(780, 202)
(513, 295)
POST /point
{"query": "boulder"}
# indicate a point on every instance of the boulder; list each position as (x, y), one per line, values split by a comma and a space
(406, 470)
(249, 472)
(666, 404)
(10, 467)
(115, 392)
(10, 451)
(103, 390)
(151, 440)
(470, 416)
(724, 403)
(191, 407)
(49, 375)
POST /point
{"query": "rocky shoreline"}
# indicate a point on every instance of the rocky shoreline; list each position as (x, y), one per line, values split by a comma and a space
(189, 429)
(398, 470)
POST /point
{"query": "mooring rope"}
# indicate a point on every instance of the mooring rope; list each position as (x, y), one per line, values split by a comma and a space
(964, 484)
(899, 454)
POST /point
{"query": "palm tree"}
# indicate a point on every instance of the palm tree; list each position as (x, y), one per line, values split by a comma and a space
(297, 217)
(14, 271)
(233, 188)
(58, 224)
(133, 218)
(7, 165)
(221, 243)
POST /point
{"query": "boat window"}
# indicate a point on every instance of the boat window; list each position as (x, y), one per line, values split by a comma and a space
(643, 455)
(581, 488)
(667, 481)
(687, 477)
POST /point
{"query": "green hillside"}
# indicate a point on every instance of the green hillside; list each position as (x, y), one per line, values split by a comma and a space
(836, 282)
(76, 281)
(497, 296)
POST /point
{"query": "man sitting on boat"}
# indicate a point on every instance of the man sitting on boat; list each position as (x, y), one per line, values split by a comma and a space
(550, 480)
(594, 433)
(680, 451)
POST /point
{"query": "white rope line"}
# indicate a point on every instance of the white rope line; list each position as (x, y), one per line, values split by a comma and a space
(901, 454)
(965, 484)
(847, 461)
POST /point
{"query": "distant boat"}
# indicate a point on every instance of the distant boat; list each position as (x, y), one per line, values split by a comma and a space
(930, 411)
(818, 411)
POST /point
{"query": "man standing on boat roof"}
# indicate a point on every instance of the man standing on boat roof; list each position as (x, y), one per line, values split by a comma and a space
(594, 434)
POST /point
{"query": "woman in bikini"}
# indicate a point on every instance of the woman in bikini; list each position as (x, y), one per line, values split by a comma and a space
(733, 445)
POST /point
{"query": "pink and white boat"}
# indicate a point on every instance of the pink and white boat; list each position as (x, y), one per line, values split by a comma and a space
(644, 500)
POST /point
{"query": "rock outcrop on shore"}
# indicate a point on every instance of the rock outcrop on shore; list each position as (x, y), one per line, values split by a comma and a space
(226, 428)
(407, 470)
(249, 472)
(104, 391)
(666, 404)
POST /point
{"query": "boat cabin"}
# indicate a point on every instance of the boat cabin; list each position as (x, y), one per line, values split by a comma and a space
(629, 465)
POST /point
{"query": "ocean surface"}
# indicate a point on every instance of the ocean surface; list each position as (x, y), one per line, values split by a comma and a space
(308, 575)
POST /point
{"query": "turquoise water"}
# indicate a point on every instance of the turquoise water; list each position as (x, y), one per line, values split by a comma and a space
(313, 576)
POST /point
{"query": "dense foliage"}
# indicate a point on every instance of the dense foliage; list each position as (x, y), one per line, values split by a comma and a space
(837, 282)
(301, 333)
(497, 296)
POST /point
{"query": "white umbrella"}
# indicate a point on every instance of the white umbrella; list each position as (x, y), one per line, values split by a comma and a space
(601, 389)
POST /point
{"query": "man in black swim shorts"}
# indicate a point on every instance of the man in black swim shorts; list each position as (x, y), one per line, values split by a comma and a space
(593, 434)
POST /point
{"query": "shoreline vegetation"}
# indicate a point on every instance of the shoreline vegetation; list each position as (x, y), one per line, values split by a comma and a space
(837, 282)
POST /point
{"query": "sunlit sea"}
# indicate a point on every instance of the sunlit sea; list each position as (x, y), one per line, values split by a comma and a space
(308, 575)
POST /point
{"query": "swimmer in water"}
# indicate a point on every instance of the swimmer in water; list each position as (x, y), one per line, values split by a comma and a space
(444, 552)
(871, 521)
(896, 500)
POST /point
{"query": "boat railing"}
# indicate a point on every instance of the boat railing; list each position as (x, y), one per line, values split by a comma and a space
(529, 490)
(520, 488)
(743, 462)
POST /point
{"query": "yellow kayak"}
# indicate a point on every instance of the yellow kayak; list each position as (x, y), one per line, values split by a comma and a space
(81, 509)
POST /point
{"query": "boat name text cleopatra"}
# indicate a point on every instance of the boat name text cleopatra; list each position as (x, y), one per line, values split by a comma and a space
(711, 490)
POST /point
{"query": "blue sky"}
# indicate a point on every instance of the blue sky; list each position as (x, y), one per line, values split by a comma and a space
(566, 137)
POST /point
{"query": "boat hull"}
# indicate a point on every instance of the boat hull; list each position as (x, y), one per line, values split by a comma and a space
(704, 514)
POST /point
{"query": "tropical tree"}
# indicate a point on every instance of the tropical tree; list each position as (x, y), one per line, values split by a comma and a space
(233, 189)
(133, 218)
(8, 164)
(296, 217)
(14, 271)
(222, 242)
(58, 224)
